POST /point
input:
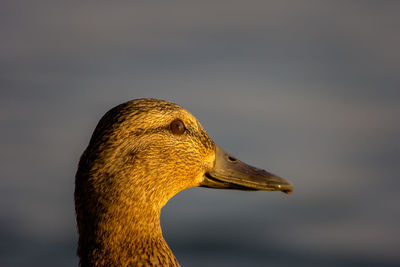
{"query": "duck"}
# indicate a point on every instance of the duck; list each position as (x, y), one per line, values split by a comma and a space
(141, 154)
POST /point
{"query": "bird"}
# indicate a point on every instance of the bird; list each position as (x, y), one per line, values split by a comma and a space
(142, 153)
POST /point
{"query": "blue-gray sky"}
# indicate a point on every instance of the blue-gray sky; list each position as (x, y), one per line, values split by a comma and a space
(309, 90)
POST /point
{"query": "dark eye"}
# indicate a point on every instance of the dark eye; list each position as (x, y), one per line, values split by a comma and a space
(177, 127)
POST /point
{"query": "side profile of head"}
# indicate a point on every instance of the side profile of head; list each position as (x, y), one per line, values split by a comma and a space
(147, 150)
(141, 154)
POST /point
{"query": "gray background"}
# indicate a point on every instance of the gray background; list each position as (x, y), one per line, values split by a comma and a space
(306, 89)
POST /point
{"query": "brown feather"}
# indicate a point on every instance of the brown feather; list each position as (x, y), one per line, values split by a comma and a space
(132, 166)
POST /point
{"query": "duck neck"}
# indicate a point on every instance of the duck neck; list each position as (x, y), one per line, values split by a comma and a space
(124, 235)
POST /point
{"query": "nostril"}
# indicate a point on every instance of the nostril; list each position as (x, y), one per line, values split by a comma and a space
(232, 159)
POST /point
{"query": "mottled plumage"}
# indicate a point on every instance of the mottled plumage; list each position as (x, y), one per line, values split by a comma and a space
(132, 166)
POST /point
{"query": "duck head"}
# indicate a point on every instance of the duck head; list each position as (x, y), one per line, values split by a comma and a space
(141, 154)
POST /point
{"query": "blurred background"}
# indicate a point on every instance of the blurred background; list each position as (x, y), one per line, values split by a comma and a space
(309, 90)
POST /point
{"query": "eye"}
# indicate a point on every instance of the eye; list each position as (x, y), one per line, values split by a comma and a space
(177, 127)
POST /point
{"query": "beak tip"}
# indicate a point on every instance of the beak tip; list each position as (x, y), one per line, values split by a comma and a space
(282, 184)
(288, 191)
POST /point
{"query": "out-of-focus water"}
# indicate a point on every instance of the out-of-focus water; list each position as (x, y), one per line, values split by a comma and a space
(308, 90)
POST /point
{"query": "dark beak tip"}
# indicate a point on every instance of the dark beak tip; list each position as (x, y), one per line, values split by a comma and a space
(285, 188)
(281, 184)
(288, 190)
